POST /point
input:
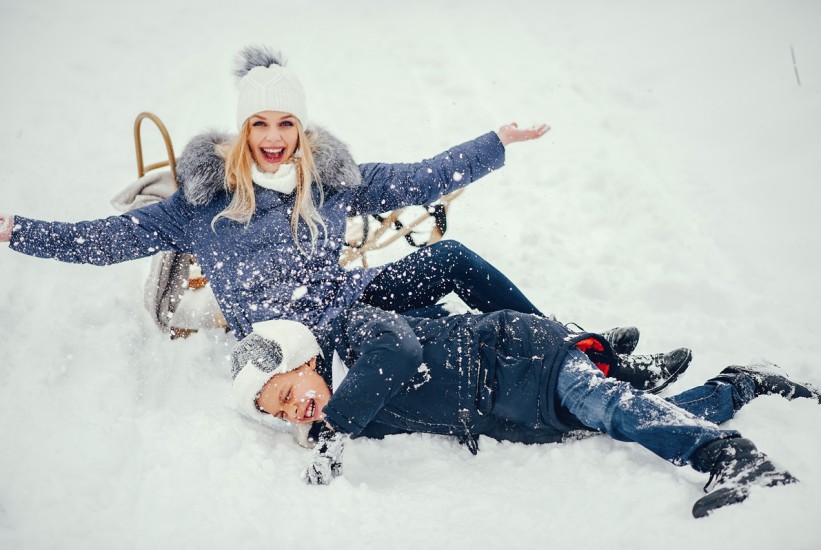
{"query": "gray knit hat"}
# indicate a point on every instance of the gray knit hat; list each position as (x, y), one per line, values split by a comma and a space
(267, 85)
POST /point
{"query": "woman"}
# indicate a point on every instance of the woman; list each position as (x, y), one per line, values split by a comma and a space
(266, 218)
(506, 375)
(268, 235)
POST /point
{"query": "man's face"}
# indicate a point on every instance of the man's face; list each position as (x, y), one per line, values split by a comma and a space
(297, 396)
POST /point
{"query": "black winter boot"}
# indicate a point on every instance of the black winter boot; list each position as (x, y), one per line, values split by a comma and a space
(735, 465)
(653, 373)
(770, 379)
(623, 340)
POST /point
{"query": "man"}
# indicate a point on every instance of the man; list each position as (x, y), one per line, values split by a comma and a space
(506, 375)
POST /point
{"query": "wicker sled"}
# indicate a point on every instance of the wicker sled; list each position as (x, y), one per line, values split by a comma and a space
(177, 295)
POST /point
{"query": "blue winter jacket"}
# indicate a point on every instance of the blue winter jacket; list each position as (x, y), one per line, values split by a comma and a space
(462, 375)
(256, 271)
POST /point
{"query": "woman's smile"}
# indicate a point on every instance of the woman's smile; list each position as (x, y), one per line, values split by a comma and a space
(273, 155)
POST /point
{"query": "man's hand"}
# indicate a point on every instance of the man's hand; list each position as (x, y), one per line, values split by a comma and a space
(510, 133)
(326, 462)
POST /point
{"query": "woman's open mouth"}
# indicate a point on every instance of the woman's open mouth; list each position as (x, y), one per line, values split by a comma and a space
(272, 155)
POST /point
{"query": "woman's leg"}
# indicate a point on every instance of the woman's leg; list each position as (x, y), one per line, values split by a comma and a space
(627, 414)
(414, 284)
(424, 277)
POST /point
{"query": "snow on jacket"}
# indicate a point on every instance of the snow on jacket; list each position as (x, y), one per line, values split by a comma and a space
(256, 270)
(463, 375)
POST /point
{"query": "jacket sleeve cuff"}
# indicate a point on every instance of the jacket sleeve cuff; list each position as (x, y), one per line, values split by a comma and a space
(494, 150)
(341, 423)
(18, 232)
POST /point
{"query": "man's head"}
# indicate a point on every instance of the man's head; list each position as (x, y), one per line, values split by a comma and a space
(274, 370)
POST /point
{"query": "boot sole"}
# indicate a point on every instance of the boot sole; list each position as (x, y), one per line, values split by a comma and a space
(718, 499)
(733, 495)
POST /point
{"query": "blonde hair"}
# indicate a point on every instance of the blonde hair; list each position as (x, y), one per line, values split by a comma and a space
(238, 181)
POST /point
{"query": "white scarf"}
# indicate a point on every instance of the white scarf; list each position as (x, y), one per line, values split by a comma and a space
(282, 181)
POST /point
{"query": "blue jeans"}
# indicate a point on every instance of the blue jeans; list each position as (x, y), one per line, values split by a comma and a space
(413, 284)
(718, 399)
(673, 428)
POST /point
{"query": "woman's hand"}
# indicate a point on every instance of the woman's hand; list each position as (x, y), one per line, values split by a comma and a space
(6, 225)
(510, 133)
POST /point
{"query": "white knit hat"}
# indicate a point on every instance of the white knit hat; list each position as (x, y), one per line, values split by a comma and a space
(274, 347)
(266, 85)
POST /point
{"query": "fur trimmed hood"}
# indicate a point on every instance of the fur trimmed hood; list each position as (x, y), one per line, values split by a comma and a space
(201, 171)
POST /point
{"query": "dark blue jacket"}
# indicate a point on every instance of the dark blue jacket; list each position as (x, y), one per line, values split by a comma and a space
(256, 271)
(463, 375)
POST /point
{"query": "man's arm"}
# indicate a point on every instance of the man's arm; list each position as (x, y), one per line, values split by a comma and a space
(388, 354)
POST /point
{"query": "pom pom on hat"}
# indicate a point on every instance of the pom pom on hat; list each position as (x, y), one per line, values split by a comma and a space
(256, 56)
(265, 84)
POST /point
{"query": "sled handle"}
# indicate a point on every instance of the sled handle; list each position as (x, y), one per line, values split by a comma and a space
(138, 143)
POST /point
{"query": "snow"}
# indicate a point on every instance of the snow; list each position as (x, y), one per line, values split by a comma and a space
(677, 190)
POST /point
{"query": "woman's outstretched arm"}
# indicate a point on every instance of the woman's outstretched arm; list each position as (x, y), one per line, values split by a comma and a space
(136, 234)
(388, 186)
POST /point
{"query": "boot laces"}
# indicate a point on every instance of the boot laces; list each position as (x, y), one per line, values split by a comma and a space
(643, 361)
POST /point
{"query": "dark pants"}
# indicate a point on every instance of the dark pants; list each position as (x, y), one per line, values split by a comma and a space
(414, 284)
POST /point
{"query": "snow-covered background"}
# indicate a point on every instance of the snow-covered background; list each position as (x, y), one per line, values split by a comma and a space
(678, 191)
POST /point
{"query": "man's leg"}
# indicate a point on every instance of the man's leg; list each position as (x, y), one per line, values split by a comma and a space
(718, 399)
(671, 432)
(627, 414)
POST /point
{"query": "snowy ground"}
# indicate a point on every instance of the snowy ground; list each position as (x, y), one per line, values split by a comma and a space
(678, 191)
